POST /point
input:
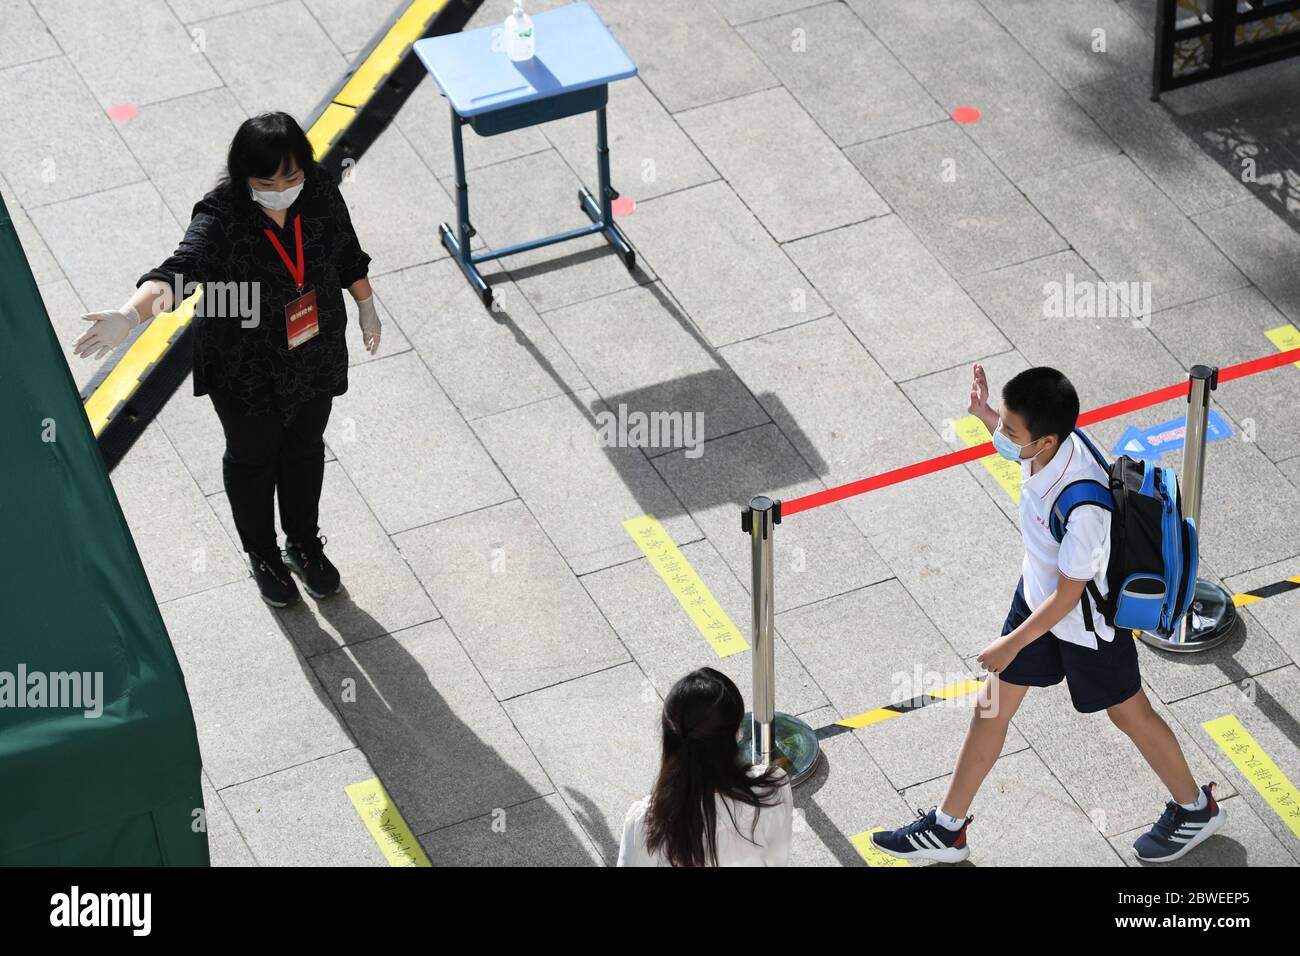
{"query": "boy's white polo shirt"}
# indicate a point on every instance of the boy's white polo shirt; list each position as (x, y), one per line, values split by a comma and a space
(1083, 553)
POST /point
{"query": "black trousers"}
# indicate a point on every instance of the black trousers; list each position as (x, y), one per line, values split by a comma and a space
(264, 459)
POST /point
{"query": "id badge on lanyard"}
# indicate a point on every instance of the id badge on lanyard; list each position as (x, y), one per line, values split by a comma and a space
(301, 321)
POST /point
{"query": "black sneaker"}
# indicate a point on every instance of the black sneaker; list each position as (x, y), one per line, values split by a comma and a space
(273, 579)
(308, 561)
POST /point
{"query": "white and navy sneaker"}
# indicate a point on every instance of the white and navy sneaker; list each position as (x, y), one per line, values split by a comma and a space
(1179, 829)
(925, 838)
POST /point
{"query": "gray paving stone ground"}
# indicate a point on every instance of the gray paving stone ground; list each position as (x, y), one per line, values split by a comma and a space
(823, 252)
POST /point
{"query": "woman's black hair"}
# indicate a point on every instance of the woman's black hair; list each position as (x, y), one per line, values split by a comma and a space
(263, 146)
(701, 759)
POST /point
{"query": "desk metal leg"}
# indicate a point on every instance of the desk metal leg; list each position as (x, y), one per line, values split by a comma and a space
(602, 167)
(602, 212)
(458, 243)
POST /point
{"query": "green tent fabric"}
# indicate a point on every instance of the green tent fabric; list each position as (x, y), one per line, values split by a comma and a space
(121, 788)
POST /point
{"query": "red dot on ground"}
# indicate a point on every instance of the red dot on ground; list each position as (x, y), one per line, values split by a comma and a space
(622, 206)
(966, 114)
(122, 111)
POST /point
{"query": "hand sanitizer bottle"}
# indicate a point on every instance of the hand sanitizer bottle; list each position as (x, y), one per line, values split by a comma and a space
(520, 43)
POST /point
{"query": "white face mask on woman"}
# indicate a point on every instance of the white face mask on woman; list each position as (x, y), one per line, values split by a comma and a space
(280, 200)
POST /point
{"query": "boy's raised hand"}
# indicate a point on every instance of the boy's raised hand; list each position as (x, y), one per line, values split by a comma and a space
(979, 392)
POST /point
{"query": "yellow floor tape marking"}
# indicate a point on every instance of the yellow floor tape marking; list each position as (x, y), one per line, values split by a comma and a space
(880, 714)
(1285, 337)
(691, 592)
(1257, 767)
(1007, 473)
(871, 853)
(867, 718)
(959, 689)
(385, 823)
(1241, 600)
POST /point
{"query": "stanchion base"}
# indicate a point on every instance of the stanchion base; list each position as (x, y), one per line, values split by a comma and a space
(1210, 622)
(797, 748)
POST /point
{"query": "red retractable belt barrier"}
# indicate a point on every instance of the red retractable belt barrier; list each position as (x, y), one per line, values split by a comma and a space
(976, 452)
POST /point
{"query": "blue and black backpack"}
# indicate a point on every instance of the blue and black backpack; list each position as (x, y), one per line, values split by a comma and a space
(1151, 576)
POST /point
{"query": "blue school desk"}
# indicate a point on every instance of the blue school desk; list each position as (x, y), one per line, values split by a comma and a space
(575, 60)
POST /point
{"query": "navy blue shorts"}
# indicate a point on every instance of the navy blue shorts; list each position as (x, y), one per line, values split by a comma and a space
(1097, 679)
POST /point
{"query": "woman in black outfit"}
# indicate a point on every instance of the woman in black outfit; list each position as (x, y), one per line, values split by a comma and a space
(271, 241)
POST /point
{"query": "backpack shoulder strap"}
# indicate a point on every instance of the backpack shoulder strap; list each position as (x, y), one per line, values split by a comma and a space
(1096, 452)
(1085, 491)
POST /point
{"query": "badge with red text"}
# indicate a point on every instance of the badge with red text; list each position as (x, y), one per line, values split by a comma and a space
(301, 323)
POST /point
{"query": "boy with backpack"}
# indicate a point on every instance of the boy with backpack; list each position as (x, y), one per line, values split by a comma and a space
(1106, 550)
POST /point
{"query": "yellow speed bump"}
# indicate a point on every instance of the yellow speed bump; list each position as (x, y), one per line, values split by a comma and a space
(388, 53)
(145, 352)
(327, 127)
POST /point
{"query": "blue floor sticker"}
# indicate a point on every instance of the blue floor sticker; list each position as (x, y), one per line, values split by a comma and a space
(1151, 443)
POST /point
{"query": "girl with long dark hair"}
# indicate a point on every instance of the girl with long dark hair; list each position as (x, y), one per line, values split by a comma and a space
(274, 248)
(708, 807)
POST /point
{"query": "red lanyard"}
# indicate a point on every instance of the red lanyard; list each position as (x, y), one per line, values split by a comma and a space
(297, 270)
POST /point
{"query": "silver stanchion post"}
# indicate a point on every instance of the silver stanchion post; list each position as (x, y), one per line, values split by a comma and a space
(763, 515)
(1210, 619)
(767, 736)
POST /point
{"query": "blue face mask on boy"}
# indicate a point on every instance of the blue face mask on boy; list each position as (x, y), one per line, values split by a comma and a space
(1007, 448)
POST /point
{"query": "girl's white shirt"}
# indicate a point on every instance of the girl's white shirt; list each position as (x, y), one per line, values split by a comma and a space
(770, 844)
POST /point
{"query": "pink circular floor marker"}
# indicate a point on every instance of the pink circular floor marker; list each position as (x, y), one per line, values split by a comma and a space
(622, 206)
(966, 114)
(122, 112)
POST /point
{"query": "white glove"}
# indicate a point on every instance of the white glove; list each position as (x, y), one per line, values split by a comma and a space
(109, 331)
(369, 320)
